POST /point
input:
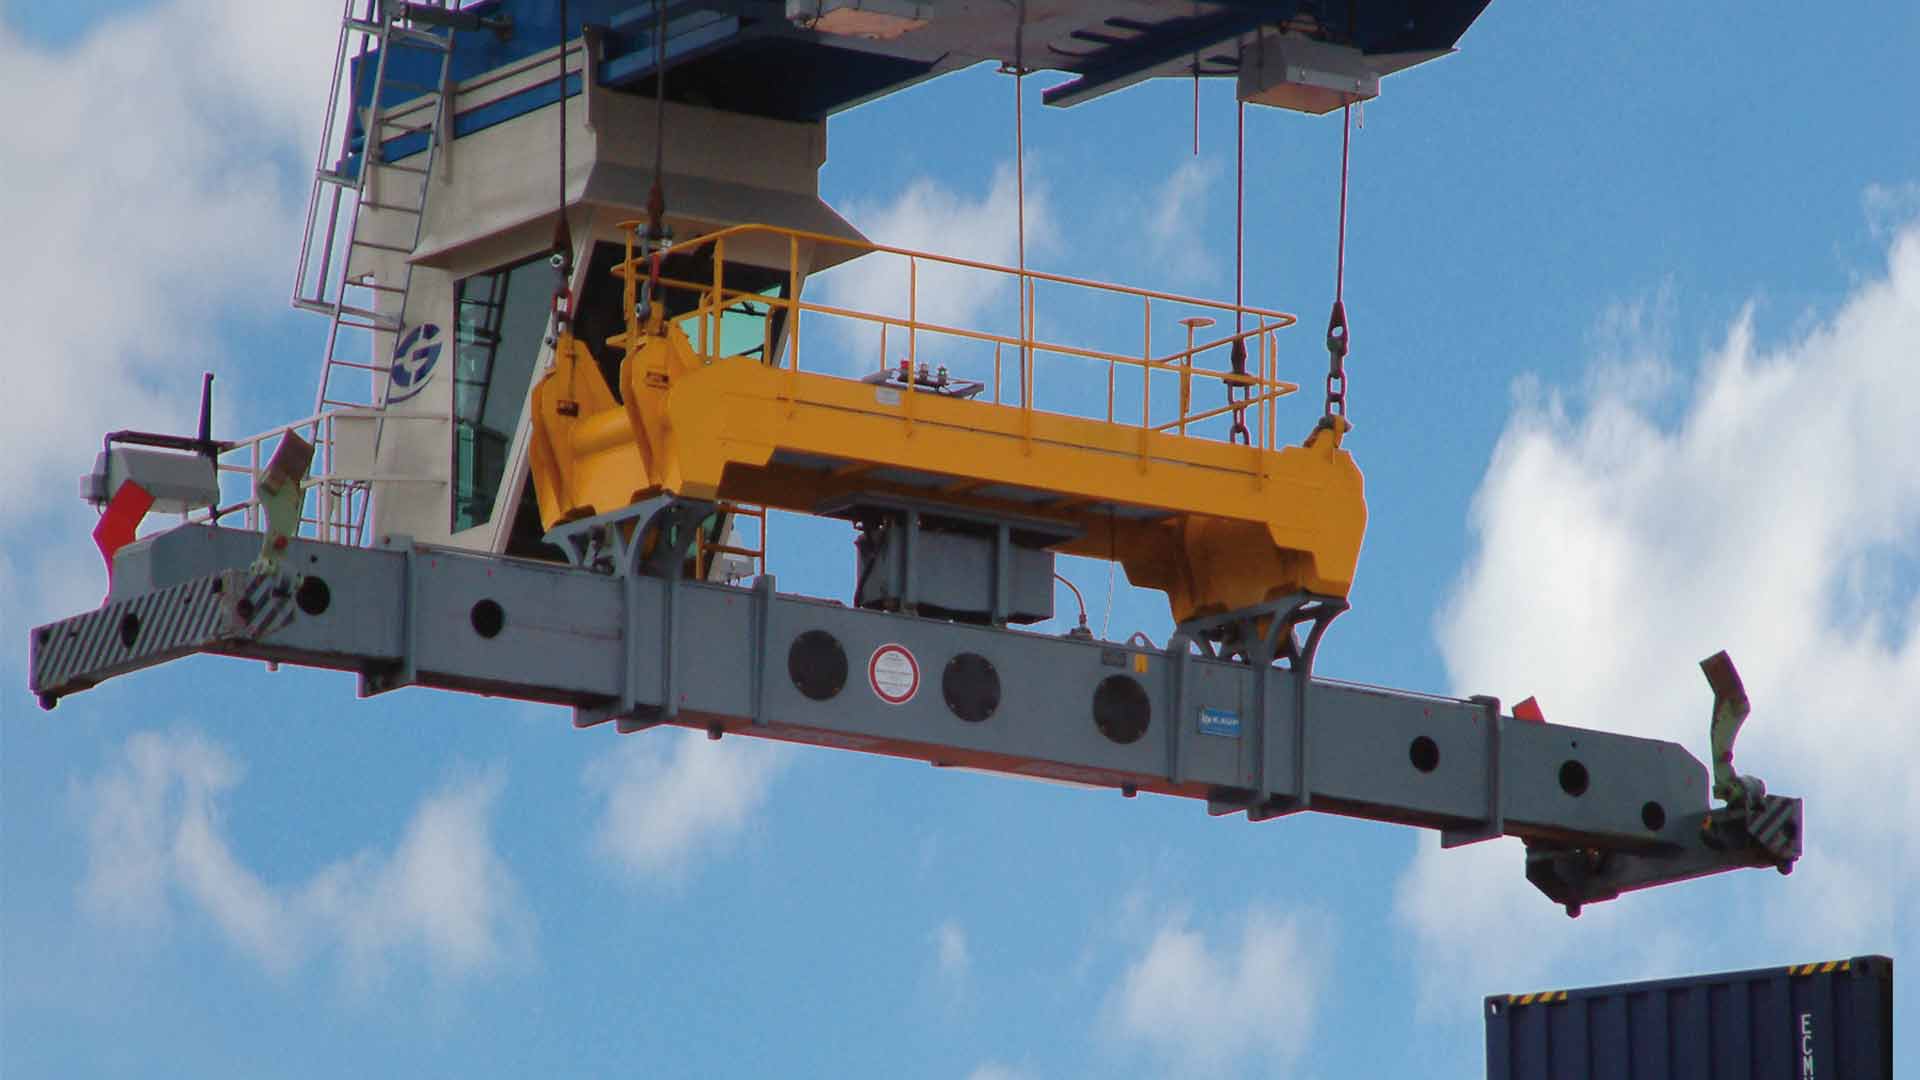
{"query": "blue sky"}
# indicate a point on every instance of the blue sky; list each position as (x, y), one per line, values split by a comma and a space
(1636, 304)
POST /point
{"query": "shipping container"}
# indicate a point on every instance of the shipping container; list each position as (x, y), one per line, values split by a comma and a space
(1828, 1021)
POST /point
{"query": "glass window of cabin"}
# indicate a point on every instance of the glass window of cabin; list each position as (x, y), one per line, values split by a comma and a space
(744, 327)
(501, 317)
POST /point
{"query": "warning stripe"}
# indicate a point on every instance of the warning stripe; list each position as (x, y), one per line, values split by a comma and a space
(161, 624)
(1824, 969)
(1556, 997)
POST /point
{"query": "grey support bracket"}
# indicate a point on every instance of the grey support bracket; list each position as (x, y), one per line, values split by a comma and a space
(1261, 636)
(1495, 823)
(1602, 813)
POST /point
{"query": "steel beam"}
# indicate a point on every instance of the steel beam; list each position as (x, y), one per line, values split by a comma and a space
(1602, 813)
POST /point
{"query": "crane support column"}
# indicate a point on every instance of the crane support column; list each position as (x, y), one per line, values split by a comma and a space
(1601, 813)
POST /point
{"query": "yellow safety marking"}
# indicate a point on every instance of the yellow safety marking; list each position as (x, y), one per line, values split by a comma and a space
(1139, 663)
(1546, 997)
(1824, 969)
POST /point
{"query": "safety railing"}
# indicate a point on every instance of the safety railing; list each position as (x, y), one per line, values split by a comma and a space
(1242, 362)
(749, 546)
(338, 487)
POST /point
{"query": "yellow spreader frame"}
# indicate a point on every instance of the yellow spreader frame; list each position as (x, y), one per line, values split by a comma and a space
(1217, 525)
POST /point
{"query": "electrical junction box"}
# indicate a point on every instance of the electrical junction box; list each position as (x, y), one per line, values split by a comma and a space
(178, 482)
(1305, 75)
(952, 564)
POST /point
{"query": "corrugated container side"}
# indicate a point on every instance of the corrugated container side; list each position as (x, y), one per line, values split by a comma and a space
(1831, 1021)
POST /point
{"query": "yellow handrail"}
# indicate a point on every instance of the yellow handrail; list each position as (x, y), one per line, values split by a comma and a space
(1258, 384)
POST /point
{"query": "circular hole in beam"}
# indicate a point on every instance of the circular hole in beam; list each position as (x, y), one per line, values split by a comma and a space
(1573, 778)
(1121, 709)
(1653, 816)
(313, 596)
(817, 664)
(1424, 753)
(488, 618)
(971, 687)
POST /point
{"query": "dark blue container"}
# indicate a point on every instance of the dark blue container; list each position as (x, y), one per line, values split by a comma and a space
(1831, 1021)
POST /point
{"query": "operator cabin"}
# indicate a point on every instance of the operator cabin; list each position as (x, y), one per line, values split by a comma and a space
(485, 258)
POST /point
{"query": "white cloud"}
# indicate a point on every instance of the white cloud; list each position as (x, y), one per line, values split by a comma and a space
(153, 820)
(1890, 206)
(951, 958)
(1204, 1005)
(669, 794)
(1774, 514)
(143, 197)
(931, 217)
(1176, 217)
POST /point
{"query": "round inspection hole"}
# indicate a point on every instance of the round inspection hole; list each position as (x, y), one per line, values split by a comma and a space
(1121, 710)
(1424, 753)
(1653, 816)
(129, 630)
(1573, 778)
(313, 596)
(817, 664)
(971, 687)
(488, 618)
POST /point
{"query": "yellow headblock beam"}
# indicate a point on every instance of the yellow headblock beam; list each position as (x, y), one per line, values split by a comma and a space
(1215, 525)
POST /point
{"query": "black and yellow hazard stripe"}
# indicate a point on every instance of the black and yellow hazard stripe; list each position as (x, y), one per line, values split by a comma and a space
(1821, 969)
(1557, 997)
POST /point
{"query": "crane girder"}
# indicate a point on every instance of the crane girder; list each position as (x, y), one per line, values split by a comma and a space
(620, 642)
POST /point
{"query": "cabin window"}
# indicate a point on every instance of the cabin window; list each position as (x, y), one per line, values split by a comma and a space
(744, 326)
(500, 318)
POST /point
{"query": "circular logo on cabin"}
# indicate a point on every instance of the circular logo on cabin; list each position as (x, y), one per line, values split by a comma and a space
(415, 355)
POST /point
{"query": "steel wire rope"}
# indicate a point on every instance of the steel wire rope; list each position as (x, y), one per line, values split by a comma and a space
(562, 234)
(1020, 198)
(1337, 335)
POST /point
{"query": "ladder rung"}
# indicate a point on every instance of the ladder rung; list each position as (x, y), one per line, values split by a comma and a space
(418, 39)
(370, 322)
(373, 320)
(414, 169)
(330, 176)
(395, 207)
(337, 362)
(378, 246)
(376, 286)
(324, 307)
(411, 129)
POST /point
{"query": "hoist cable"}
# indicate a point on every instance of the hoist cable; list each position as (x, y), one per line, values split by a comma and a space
(1239, 214)
(659, 111)
(657, 196)
(1237, 355)
(1337, 336)
(1196, 105)
(1020, 194)
(1346, 146)
(562, 258)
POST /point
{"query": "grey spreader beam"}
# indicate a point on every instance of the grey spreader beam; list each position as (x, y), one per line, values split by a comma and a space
(1601, 813)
